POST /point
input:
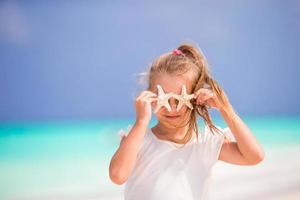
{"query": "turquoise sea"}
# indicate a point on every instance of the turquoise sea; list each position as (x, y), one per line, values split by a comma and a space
(60, 159)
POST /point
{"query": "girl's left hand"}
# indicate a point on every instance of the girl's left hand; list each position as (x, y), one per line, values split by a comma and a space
(205, 96)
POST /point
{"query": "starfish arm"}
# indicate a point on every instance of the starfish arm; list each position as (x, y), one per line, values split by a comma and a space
(176, 96)
(189, 105)
(191, 96)
(183, 90)
(183, 98)
(168, 107)
(184, 93)
(180, 104)
(160, 90)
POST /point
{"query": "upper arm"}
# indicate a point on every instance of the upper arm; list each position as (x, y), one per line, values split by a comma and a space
(230, 153)
(122, 140)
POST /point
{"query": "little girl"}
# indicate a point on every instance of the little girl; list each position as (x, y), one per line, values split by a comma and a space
(173, 160)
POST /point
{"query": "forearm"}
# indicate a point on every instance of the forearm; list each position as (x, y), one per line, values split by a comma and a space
(124, 159)
(246, 141)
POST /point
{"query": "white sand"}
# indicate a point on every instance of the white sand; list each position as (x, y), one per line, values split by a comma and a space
(276, 178)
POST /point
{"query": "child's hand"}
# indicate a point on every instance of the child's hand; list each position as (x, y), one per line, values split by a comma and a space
(206, 97)
(143, 105)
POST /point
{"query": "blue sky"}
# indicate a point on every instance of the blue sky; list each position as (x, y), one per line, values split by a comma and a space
(78, 59)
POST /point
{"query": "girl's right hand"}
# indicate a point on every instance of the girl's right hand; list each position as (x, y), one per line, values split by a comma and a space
(143, 105)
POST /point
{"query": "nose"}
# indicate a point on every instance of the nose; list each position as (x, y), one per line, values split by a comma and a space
(173, 103)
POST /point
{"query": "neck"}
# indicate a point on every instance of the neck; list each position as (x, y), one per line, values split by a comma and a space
(170, 132)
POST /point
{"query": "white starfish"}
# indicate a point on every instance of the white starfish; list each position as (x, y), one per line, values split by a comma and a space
(184, 99)
(163, 99)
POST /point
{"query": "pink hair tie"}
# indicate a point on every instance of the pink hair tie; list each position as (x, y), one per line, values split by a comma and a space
(177, 52)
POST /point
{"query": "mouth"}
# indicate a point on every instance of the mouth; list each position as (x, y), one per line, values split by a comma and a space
(172, 116)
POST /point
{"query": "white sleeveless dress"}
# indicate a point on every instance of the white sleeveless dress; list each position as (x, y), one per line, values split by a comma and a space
(164, 171)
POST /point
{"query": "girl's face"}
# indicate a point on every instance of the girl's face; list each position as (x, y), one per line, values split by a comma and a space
(171, 84)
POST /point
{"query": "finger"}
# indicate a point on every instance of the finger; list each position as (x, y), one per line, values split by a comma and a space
(145, 93)
(201, 91)
(150, 100)
(197, 93)
(203, 98)
(147, 96)
(200, 102)
(209, 96)
(205, 92)
(150, 92)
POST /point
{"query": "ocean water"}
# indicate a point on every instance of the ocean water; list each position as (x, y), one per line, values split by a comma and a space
(68, 159)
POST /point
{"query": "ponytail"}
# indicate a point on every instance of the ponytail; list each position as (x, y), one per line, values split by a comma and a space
(204, 79)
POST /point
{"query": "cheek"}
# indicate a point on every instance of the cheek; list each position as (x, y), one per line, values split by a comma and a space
(183, 110)
(160, 113)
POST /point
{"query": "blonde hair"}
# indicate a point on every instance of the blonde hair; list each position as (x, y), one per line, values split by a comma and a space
(192, 60)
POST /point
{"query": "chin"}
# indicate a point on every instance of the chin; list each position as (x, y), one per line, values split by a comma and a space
(168, 121)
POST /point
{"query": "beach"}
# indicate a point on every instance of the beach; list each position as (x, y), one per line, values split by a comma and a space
(276, 178)
(70, 161)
